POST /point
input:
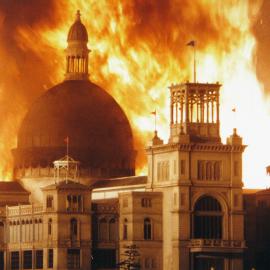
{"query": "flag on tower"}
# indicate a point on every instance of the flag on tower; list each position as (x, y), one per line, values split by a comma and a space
(191, 43)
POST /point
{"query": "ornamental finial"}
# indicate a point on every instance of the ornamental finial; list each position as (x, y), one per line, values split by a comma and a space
(78, 15)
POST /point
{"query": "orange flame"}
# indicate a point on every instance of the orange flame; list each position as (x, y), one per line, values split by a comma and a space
(139, 49)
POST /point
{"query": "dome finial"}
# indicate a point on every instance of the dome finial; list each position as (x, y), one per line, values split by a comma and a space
(78, 15)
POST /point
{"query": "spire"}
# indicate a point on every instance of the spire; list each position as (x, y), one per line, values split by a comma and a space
(78, 15)
(77, 51)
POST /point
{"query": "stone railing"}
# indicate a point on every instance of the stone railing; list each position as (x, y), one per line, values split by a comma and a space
(216, 243)
(24, 210)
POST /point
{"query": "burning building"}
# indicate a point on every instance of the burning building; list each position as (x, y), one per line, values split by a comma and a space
(187, 213)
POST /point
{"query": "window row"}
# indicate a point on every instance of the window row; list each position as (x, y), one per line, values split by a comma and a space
(107, 230)
(26, 232)
(147, 229)
(27, 221)
(74, 203)
(209, 170)
(163, 171)
(73, 225)
(27, 259)
(146, 202)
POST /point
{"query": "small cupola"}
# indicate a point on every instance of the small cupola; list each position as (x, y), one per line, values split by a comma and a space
(77, 51)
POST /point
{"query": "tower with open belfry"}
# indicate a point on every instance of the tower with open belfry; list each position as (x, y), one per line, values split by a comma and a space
(201, 182)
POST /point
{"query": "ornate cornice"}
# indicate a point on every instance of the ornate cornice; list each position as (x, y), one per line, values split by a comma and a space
(202, 147)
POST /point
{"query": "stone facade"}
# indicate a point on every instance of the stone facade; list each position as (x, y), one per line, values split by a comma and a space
(201, 182)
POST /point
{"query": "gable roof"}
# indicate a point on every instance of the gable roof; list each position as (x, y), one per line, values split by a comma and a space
(12, 186)
(121, 181)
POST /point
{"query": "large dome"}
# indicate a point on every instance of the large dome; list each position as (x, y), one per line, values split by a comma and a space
(99, 133)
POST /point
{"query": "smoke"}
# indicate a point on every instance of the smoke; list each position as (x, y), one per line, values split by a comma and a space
(261, 30)
(25, 70)
(138, 50)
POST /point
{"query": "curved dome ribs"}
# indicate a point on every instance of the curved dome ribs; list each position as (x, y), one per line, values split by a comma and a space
(99, 132)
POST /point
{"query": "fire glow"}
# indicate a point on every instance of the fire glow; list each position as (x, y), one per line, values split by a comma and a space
(138, 50)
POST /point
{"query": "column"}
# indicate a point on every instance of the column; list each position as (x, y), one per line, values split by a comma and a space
(171, 111)
(207, 107)
(212, 102)
(187, 107)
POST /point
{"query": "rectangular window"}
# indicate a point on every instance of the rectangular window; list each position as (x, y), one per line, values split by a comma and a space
(182, 199)
(182, 167)
(39, 259)
(15, 260)
(158, 172)
(50, 258)
(73, 259)
(146, 202)
(167, 170)
(125, 202)
(27, 259)
(262, 204)
(236, 168)
(68, 203)
(49, 201)
(174, 166)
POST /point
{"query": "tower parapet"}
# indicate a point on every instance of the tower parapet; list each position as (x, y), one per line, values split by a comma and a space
(195, 112)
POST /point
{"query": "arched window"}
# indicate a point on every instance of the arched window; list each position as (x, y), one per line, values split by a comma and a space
(102, 229)
(50, 226)
(112, 230)
(68, 203)
(73, 228)
(2, 231)
(217, 170)
(201, 174)
(147, 229)
(207, 218)
(125, 229)
(208, 170)
(49, 201)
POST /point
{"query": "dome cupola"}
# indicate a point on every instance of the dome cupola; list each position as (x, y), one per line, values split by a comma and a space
(77, 51)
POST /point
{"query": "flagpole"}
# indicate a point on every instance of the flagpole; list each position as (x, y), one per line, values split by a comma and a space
(194, 50)
(67, 141)
(155, 114)
(155, 120)
(192, 43)
(67, 145)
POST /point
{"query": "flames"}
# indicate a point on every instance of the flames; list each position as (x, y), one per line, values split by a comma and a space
(138, 48)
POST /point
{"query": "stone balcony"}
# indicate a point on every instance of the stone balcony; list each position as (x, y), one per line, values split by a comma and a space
(217, 245)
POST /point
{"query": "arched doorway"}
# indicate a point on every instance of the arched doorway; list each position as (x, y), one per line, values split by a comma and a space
(207, 218)
(208, 224)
